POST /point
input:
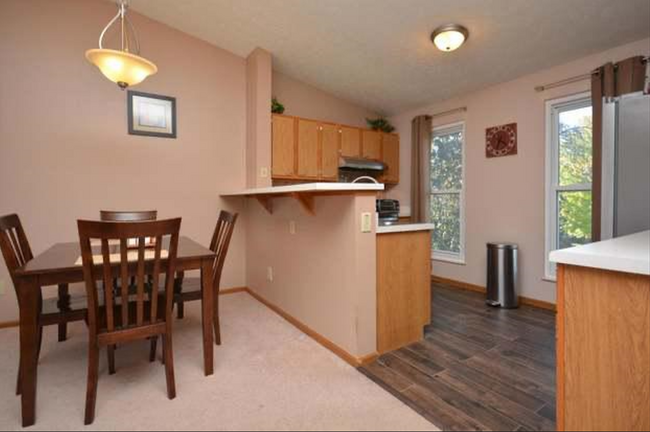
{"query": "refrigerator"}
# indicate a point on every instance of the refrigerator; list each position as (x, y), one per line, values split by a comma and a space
(626, 166)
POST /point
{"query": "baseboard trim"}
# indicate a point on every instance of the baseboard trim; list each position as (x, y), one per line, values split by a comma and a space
(539, 304)
(234, 290)
(322, 340)
(9, 324)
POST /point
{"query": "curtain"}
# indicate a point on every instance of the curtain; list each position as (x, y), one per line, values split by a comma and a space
(420, 167)
(607, 82)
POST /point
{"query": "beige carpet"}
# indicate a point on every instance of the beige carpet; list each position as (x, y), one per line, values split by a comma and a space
(268, 376)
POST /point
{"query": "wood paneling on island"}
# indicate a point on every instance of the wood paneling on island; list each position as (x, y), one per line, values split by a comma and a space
(603, 350)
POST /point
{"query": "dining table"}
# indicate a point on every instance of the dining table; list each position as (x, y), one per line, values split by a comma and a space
(60, 265)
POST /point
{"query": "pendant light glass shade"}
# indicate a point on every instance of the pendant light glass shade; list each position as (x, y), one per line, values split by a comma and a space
(450, 37)
(123, 67)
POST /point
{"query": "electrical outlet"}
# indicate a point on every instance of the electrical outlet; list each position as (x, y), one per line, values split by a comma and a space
(366, 222)
(264, 172)
(269, 274)
(292, 227)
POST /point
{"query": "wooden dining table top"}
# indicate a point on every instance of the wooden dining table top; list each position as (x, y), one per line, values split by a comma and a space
(63, 257)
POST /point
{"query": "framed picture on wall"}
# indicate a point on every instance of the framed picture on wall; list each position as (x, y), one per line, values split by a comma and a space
(151, 115)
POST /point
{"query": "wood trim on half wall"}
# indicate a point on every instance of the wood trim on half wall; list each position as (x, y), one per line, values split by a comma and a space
(322, 340)
(9, 324)
(540, 304)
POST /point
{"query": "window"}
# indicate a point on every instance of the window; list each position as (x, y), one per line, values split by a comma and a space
(447, 193)
(568, 174)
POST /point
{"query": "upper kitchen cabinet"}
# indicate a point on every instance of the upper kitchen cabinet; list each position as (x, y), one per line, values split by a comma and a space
(308, 149)
(350, 142)
(284, 147)
(329, 150)
(371, 145)
(390, 150)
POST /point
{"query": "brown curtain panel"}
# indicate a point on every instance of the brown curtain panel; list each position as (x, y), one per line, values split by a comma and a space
(609, 81)
(420, 167)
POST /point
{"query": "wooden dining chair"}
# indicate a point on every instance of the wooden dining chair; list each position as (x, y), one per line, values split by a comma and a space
(219, 244)
(54, 311)
(113, 320)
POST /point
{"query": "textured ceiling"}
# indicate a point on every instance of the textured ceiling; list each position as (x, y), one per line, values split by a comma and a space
(377, 53)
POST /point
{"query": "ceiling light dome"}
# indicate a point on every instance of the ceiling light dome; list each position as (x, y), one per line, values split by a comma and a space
(123, 67)
(449, 37)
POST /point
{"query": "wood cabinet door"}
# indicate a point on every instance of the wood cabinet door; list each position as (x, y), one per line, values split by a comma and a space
(283, 146)
(371, 144)
(330, 137)
(350, 142)
(308, 149)
(390, 149)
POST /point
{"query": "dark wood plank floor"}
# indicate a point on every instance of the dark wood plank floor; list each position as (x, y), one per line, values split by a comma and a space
(479, 368)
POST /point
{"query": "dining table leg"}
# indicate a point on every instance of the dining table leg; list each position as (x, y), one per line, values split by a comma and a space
(207, 311)
(28, 300)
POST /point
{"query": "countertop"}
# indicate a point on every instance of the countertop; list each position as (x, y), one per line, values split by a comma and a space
(404, 227)
(628, 254)
(307, 188)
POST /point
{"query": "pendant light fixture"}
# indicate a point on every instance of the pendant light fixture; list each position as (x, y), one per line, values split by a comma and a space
(449, 37)
(124, 66)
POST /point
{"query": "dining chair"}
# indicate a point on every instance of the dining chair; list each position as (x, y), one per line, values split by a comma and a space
(127, 318)
(60, 311)
(219, 244)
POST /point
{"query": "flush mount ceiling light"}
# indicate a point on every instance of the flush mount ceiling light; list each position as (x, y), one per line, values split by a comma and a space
(449, 37)
(124, 66)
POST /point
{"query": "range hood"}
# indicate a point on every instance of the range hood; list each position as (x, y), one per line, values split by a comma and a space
(359, 164)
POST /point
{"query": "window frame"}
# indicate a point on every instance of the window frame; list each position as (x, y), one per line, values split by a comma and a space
(552, 187)
(448, 256)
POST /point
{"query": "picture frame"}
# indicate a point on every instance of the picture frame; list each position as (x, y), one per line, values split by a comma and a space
(151, 115)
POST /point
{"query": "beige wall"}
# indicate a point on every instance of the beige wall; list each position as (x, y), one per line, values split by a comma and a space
(325, 274)
(64, 148)
(304, 100)
(505, 196)
(258, 119)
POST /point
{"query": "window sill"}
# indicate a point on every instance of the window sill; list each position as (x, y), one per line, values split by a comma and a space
(449, 260)
(551, 279)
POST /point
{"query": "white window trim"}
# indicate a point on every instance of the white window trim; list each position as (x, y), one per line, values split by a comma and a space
(551, 175)
(445, 256)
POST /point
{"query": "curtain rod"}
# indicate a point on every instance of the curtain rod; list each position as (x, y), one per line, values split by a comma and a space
(564, 82)
(448, 112)
(572, 80)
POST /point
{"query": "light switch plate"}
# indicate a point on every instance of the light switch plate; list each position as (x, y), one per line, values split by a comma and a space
(264, 172)
(292, 227)
(366, 222)
(269, 274)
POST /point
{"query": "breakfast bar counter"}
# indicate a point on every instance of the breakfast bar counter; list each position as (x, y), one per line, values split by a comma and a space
(318, 257)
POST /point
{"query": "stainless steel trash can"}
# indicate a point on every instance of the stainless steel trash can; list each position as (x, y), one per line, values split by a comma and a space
(502, 287)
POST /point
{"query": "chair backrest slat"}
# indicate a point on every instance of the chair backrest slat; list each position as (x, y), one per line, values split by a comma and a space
(220, 243)
(140, 267)
(153, 295)
(124, 279)
(13, 243)
(108, 280)
(140, 283)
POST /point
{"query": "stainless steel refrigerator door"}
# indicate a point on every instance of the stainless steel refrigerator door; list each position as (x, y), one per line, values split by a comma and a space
(632, 184)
